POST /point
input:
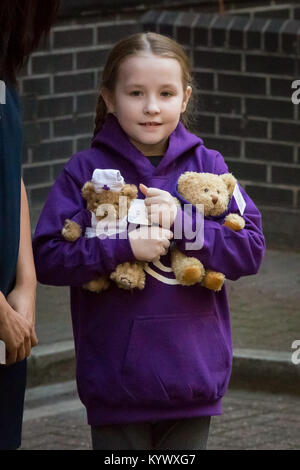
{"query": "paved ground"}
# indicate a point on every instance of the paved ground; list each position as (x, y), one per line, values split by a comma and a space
(249, 421)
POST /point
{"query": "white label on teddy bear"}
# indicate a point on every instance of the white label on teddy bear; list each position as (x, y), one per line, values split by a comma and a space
(105, 227)
(138, 213)
(2, 352)
(239, 199)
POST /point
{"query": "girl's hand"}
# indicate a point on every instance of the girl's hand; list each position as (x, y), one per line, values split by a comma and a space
(15, 332)
(22, 300)
(150, 243)
(161, 206)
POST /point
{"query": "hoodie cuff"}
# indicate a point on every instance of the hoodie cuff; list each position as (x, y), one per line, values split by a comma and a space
(116, 251)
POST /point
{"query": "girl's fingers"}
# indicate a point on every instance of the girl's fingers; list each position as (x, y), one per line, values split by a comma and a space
(166, 244)
(155, 200)
(143, 189)
(150, 192)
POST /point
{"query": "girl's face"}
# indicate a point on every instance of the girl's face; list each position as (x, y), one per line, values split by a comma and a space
(148, 100)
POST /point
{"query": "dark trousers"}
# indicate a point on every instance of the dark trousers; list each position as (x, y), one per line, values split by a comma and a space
(181, 434)
(12, 391)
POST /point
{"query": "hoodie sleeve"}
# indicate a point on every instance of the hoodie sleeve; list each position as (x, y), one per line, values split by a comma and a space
(59, 262)
(220, 248)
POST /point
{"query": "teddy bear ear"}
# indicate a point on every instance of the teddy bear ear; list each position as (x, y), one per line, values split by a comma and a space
(230, 182)
(87, 189)
(129, 190)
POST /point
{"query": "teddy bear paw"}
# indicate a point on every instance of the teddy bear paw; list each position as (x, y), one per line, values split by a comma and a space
(128, 276)
(235, 222)
(71, 231)
(213, 280)
(192, 275)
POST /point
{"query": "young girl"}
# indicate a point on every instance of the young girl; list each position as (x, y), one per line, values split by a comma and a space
(152, 364)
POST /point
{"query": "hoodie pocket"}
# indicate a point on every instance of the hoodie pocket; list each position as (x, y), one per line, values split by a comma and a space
(176, 357)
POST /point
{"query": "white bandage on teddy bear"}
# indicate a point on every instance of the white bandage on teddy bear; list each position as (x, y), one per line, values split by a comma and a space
(107, 180)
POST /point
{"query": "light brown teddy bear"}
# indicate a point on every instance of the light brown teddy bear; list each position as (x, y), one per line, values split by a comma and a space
(214, 192)
(109, 213)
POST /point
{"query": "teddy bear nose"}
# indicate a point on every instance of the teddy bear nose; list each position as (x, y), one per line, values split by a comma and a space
(214, 199)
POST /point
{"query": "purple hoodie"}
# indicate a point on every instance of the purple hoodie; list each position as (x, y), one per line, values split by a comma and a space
(164, 352)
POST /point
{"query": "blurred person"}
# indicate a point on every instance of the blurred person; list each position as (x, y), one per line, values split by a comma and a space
(23, 23)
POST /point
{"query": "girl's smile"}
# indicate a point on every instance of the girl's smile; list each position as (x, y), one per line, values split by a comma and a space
(148, 100)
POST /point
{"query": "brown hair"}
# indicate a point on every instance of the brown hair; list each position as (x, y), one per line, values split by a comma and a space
(23, 23)
(131, 45)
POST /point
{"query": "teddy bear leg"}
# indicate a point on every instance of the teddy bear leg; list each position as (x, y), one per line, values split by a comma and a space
(97, 285)
(71, 231)
(187, 270)
(213, 280)
(129, 276)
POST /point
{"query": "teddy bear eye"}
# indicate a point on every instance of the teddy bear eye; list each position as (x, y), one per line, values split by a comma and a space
(206, 190)
(218, 192)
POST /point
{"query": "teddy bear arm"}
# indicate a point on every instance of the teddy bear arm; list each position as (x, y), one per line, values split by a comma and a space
(235, 222)
(71, 231)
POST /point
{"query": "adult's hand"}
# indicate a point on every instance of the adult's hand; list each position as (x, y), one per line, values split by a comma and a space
(22, 300)
(15, 332)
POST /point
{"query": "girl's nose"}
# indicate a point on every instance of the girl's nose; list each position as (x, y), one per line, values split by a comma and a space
(214, 199)
(151, 107)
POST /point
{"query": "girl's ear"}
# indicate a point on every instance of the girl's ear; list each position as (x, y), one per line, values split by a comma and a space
(186, 98)
(108, 99)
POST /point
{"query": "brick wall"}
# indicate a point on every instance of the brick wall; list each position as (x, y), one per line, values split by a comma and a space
(243, 67)
(267, 9)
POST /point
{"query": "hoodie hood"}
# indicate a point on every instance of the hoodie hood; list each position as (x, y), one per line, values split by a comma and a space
(116, 140)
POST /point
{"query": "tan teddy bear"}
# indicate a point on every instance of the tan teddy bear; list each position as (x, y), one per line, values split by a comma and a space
(108, 198)
(214, 192)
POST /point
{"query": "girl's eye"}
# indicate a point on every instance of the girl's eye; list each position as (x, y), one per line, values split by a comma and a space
(166, 93)
(206, 190)
(135, 93)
